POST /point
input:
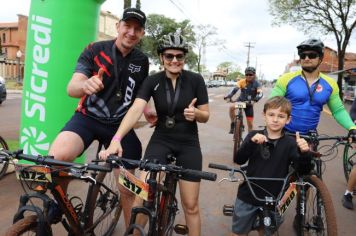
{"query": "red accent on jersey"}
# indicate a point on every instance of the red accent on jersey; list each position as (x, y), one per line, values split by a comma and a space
(96, 59)
(106, 57)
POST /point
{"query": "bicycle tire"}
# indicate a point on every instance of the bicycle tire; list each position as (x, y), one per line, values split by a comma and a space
(237, 136)
(28, 225)
(166, 216)
(5, 164)
(315, 223)
(348, 160)
(105, 204)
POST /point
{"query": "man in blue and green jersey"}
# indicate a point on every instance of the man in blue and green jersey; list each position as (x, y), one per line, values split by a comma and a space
(309, 90)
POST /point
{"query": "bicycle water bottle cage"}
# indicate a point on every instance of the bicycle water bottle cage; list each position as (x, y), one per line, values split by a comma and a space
(181, 229)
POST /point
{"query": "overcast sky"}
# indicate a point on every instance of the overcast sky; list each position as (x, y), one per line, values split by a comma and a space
(238, 22)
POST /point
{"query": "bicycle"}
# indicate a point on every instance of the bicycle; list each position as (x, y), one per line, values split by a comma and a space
(348, 154)
(160, 203)
(38, 212)
(310, 220)
(4, 165)
(239, 126)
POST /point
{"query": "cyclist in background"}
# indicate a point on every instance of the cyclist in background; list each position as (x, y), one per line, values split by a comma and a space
(181, 100)
(309, 90)
(351, 184)
(282, 150)
(250, 91)
(106, 79)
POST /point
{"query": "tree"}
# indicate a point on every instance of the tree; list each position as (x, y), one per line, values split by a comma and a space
(138, 4)
(203, 35)
(233, 71)
(336, 17)
(127, 3)
(159, 25)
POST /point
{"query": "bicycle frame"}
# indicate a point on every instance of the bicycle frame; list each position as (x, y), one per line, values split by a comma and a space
(44, 177)
(297, 184)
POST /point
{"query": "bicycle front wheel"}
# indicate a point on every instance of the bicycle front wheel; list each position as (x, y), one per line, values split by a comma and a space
(26, 226)
(105, 208)
(348, 160)
(237, 136)
(4, 165)
(319, 218)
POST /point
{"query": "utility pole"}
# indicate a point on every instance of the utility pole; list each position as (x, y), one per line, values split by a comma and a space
(249, 45)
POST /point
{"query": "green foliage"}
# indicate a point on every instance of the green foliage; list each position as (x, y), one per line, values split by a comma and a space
(13, 144)
(138, 4)
(127, 3)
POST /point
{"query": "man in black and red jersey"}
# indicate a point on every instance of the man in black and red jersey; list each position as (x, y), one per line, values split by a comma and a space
(106, 79)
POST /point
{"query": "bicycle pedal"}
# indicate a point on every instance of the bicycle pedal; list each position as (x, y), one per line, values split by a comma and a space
(181, 229)
(228, 210)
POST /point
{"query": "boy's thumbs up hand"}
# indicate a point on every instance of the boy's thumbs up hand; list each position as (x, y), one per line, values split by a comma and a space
(94, 84)
(189, 112)
(302, 143)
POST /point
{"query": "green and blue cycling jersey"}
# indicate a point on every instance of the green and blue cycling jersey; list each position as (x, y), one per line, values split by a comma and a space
(307, 102)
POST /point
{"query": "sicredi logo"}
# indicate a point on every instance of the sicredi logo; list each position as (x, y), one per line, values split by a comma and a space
(33, 142)
(35, 93)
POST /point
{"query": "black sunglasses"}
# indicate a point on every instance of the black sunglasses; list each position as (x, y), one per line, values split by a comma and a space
(311, 55)
(249, 74)
(169, 56)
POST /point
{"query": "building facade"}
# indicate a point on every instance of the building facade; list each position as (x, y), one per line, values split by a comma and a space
(13, 42)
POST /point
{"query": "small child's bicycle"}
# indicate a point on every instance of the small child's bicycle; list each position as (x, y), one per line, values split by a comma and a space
(316, 215)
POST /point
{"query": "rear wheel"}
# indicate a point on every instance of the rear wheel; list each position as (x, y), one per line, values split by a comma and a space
(319, 218)
(5, 164)
(237, 136)
(349, 159)
(26, 226)
(167, 215)
(105, 209)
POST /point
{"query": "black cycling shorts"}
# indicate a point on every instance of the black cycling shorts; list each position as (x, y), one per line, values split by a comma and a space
(249, 111)
(187, 153)
(90, 129)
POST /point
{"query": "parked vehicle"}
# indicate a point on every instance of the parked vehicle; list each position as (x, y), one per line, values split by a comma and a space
(2, 90)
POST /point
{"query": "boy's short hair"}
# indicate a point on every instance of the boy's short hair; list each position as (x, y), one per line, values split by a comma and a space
(278, 102)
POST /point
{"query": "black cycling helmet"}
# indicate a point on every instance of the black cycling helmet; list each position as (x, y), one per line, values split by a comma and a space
(172, 41)
(250, 69)
(312, 45)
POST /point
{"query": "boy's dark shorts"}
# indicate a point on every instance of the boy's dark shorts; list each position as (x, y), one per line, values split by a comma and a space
(245, 216)
(90, 129)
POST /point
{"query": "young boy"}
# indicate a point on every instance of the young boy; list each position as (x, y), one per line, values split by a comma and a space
(270, 160)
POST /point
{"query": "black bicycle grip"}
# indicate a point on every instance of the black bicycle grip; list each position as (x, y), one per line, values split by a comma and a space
(218, 166)
(199, 174)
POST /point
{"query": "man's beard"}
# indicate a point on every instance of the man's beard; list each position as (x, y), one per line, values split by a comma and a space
(309, 69)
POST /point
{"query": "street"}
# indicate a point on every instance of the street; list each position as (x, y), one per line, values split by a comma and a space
(216, 146)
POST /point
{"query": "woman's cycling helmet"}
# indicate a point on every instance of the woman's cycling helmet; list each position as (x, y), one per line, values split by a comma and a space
(250, 69)
(172, 41)
(311, 45)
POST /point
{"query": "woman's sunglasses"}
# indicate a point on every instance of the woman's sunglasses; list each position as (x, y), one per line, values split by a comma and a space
(170, 57)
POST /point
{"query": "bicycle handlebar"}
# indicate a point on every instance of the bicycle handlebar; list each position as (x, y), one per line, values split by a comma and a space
(149, 166)
(48, 160)
(248, 179)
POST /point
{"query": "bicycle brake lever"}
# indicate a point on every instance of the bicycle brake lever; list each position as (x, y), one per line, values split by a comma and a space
(230, 179)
